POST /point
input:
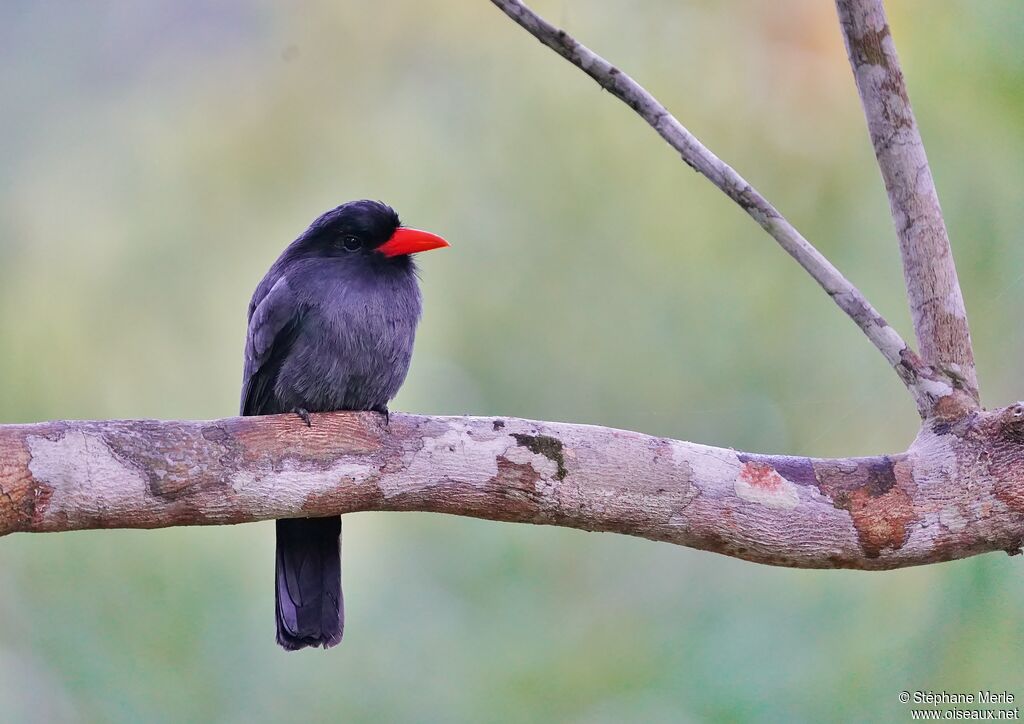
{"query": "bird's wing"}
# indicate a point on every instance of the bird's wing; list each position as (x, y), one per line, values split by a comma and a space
(273, 325)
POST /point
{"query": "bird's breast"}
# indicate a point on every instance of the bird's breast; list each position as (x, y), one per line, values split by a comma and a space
(354, 347)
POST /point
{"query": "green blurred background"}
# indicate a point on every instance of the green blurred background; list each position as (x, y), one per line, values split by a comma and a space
(155, 157)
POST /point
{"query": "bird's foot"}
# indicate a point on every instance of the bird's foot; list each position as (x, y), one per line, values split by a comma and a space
(304, 416)
(383, 410)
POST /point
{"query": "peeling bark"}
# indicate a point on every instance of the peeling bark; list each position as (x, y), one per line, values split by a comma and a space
(936, 303)
(957, 491)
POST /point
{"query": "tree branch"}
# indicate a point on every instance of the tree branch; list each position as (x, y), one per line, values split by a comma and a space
(958, 490)
(936, 303)
(925, 384)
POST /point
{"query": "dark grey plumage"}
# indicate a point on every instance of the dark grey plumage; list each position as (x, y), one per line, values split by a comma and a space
(331, 327)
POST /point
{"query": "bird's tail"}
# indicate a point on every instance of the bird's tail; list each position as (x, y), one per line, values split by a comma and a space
(310, 609)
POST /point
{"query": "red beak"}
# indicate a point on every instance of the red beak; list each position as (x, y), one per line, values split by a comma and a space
(409, 241)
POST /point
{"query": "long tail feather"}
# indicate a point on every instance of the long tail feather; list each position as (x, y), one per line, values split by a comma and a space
(309, 604)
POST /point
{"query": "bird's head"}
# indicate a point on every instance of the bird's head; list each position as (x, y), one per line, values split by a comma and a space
(368, 230)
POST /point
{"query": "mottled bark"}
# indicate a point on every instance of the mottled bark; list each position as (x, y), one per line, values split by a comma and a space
(958, 490)
(936, 303)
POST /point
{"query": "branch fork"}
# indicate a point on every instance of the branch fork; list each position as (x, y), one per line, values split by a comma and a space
(943, 375)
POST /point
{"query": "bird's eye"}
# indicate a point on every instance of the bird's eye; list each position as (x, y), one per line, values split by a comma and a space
(351, 243)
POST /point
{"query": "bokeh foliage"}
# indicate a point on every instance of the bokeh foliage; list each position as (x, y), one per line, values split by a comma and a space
(154, 159)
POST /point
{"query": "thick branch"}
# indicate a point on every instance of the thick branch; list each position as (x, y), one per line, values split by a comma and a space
(936, 304)
(958, 491)
(926, 386)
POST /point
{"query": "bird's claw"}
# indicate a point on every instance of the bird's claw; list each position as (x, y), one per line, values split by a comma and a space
(383, 410)
(304, 416)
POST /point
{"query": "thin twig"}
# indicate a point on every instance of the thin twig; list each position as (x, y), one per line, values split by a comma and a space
(936, 303)
(924, 384)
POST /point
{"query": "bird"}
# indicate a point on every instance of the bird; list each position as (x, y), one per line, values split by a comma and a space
(330, 327)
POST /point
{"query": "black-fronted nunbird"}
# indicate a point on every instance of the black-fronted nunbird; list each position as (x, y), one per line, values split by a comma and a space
(331, 327)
